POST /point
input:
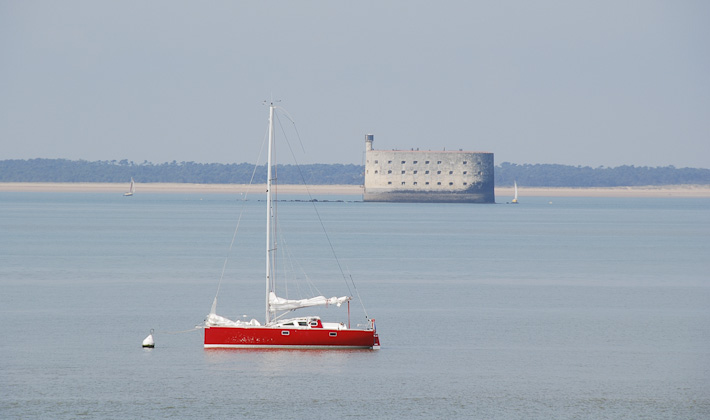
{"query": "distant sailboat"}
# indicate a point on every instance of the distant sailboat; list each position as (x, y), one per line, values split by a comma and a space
(515, 198)
(131, 189)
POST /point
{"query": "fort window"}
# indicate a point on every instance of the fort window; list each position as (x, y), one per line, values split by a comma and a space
(426, 183)
(438, 183)
(451, 172)
(438, 172)
(415, 162)
(438, 162)
(389, 182)
(389, 161)
(427, 162)
(465, 172)
(402, 171)
(376, 162)
(465, 183)
(415, 172)
(426, 172)
(402, 182)
(451, 183)
(377, 172)
(415, 182)
(464, 162)
(389, 172)
(403, 162)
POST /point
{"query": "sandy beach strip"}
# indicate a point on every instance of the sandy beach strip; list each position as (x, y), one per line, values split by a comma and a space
(652, 191)
(502, 193)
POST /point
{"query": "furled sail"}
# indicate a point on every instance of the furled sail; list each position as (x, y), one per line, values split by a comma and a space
(214, 320)
(280, 304)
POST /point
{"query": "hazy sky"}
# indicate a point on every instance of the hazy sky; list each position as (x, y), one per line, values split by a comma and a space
(579, 83)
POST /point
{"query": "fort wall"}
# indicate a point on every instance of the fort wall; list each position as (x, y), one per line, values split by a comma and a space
(428, 176)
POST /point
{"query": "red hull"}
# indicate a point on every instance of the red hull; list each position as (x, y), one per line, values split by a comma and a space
(297, 338)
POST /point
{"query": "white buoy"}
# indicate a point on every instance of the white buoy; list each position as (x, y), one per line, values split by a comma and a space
(149, 342)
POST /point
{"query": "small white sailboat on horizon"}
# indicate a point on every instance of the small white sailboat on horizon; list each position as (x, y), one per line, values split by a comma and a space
(131, 189)
(515, 197)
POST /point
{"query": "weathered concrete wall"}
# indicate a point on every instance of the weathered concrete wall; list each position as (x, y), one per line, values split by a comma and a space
(428, 176)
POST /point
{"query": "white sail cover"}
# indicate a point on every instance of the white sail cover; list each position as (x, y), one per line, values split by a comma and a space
(280, 304)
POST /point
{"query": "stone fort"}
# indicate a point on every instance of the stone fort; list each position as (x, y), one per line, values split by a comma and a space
(427, 176)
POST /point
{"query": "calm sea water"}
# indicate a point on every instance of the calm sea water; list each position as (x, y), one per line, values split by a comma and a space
(554, 308)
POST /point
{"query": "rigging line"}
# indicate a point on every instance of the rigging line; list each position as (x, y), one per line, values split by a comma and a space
(303, 179)
(239, 220)
(295, 263)
(357, 292)
(288, 116)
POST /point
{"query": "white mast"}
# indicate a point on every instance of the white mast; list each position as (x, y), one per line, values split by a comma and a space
(269, 211)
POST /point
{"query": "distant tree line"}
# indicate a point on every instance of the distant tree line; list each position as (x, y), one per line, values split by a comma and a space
(538, 175)
(550, 175)
(63, 170)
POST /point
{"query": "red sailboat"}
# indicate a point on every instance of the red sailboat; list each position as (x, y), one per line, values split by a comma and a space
(306, 332)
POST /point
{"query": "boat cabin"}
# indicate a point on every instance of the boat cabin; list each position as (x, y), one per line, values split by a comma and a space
(309, 322)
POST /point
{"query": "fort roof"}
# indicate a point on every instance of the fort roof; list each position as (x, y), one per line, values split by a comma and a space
(428, 151)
